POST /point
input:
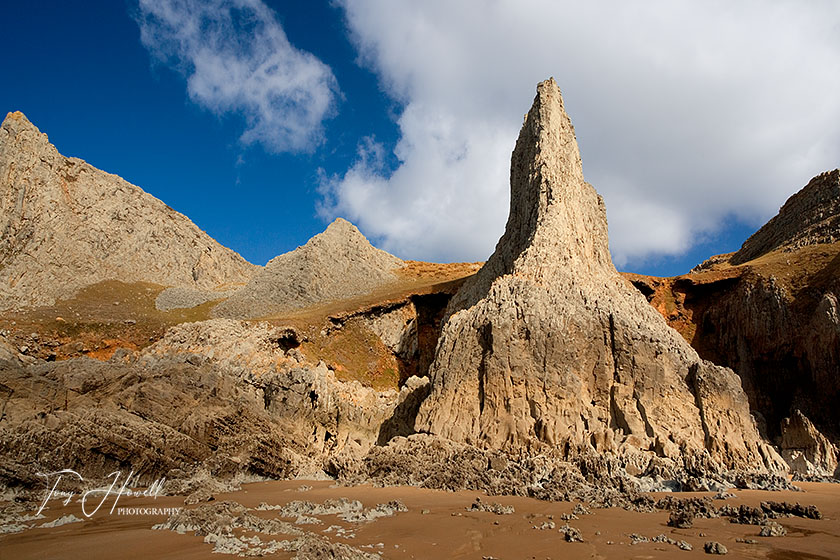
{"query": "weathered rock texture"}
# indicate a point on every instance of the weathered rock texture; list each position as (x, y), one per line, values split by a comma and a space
(336, 264)
(65, 224)
(220, 397)
(548, 347)
(809, 217)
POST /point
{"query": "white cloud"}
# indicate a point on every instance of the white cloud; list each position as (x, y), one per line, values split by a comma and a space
(686, 113)
(237, 59)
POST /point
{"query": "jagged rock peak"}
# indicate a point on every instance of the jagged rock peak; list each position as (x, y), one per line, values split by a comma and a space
(17, 122)
(66, 225)
(335, 264)
(341, 234)
(549, 348)
(552, 209)
(809, 217)
(557, 225)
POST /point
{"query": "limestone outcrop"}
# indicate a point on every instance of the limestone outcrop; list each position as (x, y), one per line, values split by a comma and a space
(336, 264)
(806, 450)
(65, 225)
(547, 347)
(809, 217)
(215, 399)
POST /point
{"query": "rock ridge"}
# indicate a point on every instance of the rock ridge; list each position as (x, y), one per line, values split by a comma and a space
(809, 217)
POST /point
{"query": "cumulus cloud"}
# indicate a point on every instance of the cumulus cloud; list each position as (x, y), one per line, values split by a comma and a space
(687, 114)
(237, 59)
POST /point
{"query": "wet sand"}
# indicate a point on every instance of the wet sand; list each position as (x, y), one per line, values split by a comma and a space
(438, 525)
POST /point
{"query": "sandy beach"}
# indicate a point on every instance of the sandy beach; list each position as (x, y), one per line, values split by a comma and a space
(440, 525)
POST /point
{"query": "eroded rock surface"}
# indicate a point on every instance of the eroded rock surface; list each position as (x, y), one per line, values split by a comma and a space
(547, 346)
(806, 450)
(65, 224)
(775, 320)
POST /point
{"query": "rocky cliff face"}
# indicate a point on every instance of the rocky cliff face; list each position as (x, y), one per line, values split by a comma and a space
(770, 312)
(65, 225)
(810, 217)
(548, 347)
(336, 264)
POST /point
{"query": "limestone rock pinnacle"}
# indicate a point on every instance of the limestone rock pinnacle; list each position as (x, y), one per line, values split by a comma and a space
(549, 347)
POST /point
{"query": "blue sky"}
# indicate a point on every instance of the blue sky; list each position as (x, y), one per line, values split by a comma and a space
(695, 120)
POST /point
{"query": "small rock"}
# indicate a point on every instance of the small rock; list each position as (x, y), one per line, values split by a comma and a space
(496, 508)
(714, 547)
(571, 534)
(772, 529)
(581, 509)
(682, 545)
(680, 519)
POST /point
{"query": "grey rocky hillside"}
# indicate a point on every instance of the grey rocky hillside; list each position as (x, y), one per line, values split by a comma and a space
(336, 264)
(65, 225)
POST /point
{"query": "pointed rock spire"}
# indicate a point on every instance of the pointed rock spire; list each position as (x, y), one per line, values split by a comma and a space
(553, 211)
(548, 347)
(557, 225)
